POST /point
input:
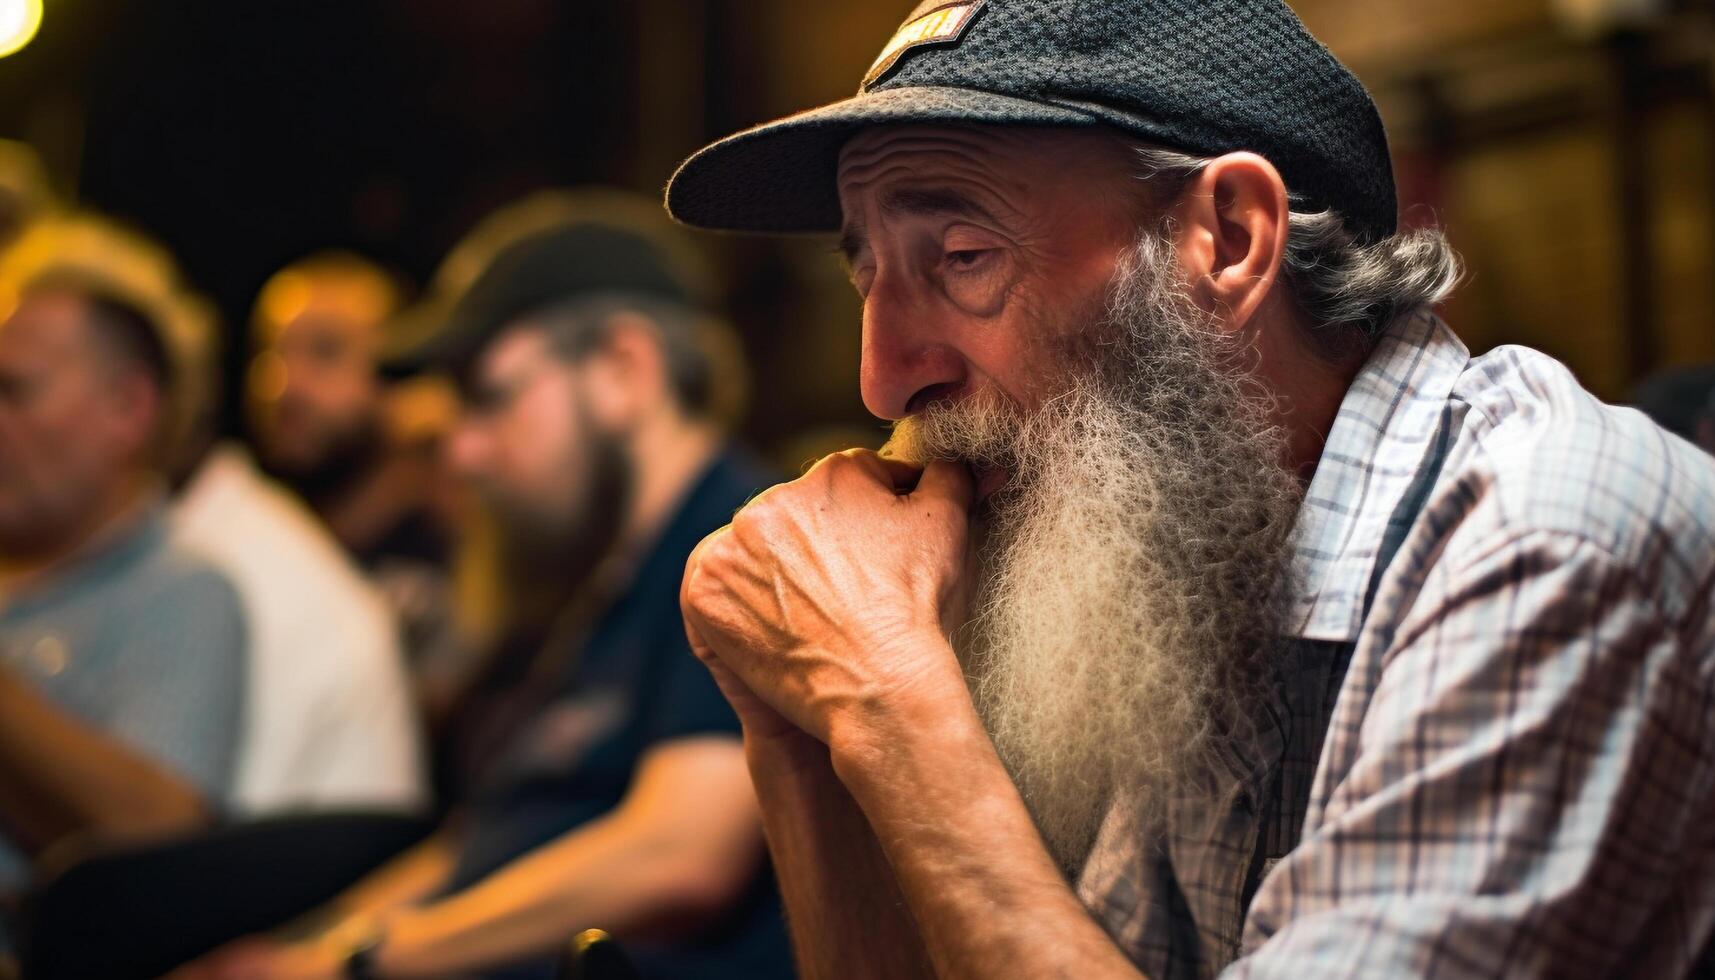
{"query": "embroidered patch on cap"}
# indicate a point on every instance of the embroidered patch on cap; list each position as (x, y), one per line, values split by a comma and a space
(944, 24)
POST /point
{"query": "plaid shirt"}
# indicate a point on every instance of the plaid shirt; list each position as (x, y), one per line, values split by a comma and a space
(1494, 754)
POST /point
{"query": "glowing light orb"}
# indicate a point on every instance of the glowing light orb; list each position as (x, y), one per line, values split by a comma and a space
(19, 20)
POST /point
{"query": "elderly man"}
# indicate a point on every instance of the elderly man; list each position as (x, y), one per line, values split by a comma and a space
(1216, 611)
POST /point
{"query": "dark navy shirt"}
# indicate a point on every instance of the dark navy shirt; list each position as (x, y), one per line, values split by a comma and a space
(575, 735)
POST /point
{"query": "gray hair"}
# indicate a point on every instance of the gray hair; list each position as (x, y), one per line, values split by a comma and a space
(704, 362)
(1344, 285)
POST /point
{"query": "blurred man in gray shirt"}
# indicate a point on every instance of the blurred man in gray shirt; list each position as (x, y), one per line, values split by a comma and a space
(121, 658)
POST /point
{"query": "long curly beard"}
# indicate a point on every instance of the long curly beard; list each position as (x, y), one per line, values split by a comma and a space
(1132, 568)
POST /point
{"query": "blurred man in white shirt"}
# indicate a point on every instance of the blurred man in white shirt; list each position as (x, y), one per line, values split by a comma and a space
(331, 721)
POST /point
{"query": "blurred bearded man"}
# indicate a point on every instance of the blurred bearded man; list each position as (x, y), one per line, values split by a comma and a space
(599, 775)
(321, 413)
(1213, 611)
(363, 454)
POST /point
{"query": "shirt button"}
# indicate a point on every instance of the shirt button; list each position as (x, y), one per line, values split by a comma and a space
(49, 656)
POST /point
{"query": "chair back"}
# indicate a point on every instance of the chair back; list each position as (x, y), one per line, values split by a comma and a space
(141, 910)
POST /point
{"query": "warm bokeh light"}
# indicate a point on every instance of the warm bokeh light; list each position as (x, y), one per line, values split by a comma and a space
(19, 20)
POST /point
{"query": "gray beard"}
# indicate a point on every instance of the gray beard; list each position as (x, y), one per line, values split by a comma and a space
(1130, 575)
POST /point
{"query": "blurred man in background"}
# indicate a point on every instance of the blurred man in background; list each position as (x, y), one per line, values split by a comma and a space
(122, 656)
(363, 456)
(1682, 401)
(330, 720)
(603, 782)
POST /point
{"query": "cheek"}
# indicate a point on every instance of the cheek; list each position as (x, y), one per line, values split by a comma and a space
(1014, 351)
(56, 444)
(351, 390)
(328, 388)
(465, 451)
(60, 451)
(543, 437)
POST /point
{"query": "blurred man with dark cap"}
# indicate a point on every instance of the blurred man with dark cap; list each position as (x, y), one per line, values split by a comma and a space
(603, 782)
(122, 656)
(1214, 611)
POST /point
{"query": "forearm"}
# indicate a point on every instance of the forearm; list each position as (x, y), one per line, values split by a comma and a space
(606, 874)
(409, 878)
(847, 915)
(59, 777)
(988, 898)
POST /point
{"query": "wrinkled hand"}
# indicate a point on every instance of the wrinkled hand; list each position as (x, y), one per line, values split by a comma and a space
(834, 595)
(260, 958)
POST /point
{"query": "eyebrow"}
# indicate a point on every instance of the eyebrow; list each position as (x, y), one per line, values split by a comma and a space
(931, 202)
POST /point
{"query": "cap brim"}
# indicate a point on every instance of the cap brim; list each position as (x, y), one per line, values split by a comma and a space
(780, 176)
(419, 339)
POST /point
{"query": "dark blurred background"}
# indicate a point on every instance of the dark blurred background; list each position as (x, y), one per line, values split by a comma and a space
(1567, 145)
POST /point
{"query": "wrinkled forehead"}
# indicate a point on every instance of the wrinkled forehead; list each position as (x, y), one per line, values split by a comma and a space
(1010, 173)
(1008, 155)
(1017, 156)
(977, 142)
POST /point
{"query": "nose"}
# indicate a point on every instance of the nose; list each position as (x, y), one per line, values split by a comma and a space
(908, 360)
(465, 451)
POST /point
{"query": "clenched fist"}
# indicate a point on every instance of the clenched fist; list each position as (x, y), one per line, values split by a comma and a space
(831, 598)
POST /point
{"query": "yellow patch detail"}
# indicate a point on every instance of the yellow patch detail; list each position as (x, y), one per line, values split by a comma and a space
(937, 25)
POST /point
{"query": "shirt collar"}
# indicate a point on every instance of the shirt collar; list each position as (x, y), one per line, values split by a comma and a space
(124, 548)
(1383, 438)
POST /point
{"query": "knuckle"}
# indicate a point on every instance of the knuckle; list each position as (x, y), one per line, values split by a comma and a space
(833, 468)
(703, 548)
(747, 522)
(707, 549)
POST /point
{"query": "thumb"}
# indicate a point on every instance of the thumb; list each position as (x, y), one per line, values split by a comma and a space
(947, 481)
(896, 474)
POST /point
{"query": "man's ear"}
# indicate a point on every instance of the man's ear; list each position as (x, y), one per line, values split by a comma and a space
(1231, 228)
(134, 415)
(626, 375)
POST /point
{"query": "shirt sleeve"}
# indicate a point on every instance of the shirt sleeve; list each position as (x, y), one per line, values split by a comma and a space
(1529, 794)
(185, 698)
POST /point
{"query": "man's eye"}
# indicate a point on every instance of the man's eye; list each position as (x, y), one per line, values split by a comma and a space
(966, 259)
